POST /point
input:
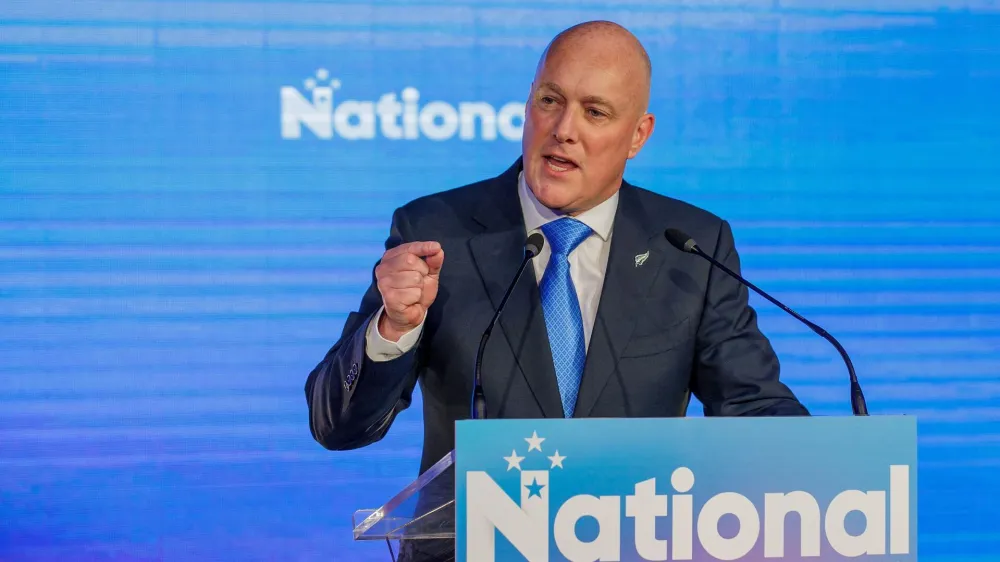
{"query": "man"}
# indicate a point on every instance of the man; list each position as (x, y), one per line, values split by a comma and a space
(609, 320)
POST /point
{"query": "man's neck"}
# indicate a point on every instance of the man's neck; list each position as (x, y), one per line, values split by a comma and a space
(600, 217)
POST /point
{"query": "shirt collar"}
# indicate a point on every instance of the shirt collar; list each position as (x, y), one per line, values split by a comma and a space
(600, 219)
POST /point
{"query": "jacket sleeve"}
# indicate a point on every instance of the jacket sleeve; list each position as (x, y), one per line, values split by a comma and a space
(736, 369)
(353, 400)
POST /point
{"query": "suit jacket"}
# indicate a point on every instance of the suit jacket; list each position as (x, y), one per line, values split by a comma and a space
(664, 329)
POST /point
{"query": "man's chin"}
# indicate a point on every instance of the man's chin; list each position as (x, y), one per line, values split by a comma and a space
(555, 197)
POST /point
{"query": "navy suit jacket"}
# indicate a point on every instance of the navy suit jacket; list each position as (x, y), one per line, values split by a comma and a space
(664, 329)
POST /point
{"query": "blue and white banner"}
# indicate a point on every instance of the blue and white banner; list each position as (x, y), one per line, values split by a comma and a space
(830, 489)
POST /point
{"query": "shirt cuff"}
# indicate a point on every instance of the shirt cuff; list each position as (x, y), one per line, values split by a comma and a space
(380, 349)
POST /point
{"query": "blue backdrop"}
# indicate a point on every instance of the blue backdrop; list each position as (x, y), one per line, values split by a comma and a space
(192, 195)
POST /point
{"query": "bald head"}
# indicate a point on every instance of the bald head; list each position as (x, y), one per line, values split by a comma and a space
(586, 116)
(611, 42)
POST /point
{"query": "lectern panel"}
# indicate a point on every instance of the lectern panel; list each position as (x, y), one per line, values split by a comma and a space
(423, 510)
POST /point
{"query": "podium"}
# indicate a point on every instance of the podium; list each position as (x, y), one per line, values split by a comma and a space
(421, 516)
(699, 489)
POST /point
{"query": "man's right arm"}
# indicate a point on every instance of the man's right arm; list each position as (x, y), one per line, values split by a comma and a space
(364, 380)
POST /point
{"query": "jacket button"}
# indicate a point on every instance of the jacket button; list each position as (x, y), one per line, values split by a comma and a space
(352, 375)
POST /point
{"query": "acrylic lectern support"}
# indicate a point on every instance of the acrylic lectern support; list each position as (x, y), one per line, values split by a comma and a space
(421, 516)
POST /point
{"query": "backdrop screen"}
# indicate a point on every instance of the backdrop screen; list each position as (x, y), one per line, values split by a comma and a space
(192, 196)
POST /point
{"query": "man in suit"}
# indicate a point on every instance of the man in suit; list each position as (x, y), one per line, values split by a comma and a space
(609, 320)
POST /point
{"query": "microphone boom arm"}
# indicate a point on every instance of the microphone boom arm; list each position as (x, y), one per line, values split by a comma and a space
(858, 404)
(532, 247)
(478, 396)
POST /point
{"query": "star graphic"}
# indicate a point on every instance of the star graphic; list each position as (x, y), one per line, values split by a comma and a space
(534, 442)
(513, 461)
(534, 489)
(556, 460)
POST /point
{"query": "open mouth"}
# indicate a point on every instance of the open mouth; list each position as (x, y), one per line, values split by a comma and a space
(557, 164)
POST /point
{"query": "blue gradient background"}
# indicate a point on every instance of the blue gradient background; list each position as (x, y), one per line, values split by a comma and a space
(171, 269)
(822, 456)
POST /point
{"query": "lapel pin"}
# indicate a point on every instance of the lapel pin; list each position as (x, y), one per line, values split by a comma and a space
(641, 258)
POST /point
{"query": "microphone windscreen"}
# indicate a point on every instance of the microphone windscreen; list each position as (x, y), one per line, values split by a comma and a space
(533, 246)
(680, 240)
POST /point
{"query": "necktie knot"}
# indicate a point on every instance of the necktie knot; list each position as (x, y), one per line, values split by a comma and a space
(565, 234)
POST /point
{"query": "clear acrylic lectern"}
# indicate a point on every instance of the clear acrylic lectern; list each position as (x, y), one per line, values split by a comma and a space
(421, 516)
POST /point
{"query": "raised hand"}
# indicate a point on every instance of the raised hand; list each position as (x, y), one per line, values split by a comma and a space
(407, 278)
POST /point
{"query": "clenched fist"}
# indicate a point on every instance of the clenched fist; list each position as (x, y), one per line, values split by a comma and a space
(407, 278)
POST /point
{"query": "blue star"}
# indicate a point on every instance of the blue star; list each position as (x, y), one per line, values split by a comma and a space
(534, 489)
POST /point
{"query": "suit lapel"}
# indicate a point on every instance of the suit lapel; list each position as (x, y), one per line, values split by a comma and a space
(623, 297)
(497, 252)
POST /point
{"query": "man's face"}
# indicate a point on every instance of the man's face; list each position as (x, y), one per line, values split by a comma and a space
(584, 119)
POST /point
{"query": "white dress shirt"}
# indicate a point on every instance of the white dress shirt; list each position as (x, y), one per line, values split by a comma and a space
(587, 264)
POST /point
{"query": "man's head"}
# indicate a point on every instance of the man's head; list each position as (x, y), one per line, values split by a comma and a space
(586, 115)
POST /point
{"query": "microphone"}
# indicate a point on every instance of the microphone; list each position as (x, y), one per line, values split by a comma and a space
(678, 239)
(532, 247)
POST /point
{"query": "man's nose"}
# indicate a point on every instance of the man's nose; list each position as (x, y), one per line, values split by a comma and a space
(566, 129)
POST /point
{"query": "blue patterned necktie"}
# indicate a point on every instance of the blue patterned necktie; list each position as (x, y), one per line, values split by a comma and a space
(563, 320)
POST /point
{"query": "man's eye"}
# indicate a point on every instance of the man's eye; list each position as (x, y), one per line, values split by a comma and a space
(548, 99)
(595, 113)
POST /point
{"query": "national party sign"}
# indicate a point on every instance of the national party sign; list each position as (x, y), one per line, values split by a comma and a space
(700, 489)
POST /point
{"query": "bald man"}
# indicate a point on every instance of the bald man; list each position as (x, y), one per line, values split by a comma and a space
(609, 320)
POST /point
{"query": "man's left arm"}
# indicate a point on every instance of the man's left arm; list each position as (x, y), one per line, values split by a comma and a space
(736, 369)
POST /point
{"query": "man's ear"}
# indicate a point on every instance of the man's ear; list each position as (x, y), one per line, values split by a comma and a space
(643, 130)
